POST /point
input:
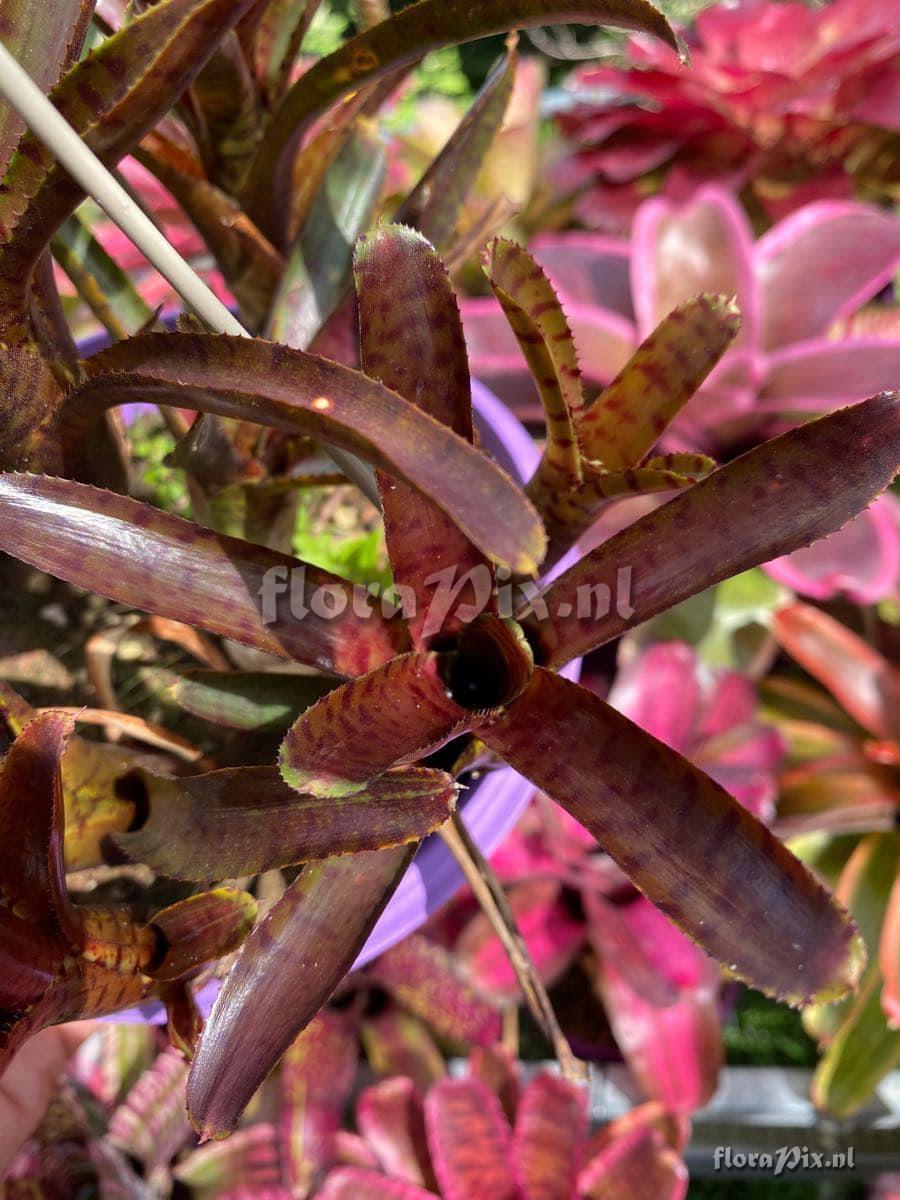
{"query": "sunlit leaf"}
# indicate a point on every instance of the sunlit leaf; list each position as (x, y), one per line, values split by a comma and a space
(415, 31)
(435, 203)
(269, 384)
(865, 684)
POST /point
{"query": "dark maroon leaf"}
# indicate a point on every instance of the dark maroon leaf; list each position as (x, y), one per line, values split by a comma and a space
(269, 384)
(782, 495)
(244, 820)
(288, 968)
(148, 559)
(687, 844)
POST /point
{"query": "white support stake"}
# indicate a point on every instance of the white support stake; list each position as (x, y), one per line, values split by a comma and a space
(51, 128)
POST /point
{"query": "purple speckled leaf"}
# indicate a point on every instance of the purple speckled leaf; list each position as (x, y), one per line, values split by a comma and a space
(414, 345)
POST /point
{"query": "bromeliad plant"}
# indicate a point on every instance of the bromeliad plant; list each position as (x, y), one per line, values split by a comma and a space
(356, 786)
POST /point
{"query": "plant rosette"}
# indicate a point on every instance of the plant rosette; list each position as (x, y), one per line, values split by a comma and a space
(494, 802)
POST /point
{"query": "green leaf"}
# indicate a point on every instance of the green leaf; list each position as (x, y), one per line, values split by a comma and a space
(862, 1053)
(318, 274)
(264, 702)
(98, 279)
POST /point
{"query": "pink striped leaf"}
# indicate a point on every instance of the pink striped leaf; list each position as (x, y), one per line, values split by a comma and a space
(315, 1081)
(356, 1183)
(391, 1117)
(429, 981)
(549, 1138)
(470, 1140)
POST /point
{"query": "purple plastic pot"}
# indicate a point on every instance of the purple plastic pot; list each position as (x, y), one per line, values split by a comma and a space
(493, 805)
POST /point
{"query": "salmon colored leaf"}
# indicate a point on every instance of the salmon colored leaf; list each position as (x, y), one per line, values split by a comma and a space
(863, 682)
